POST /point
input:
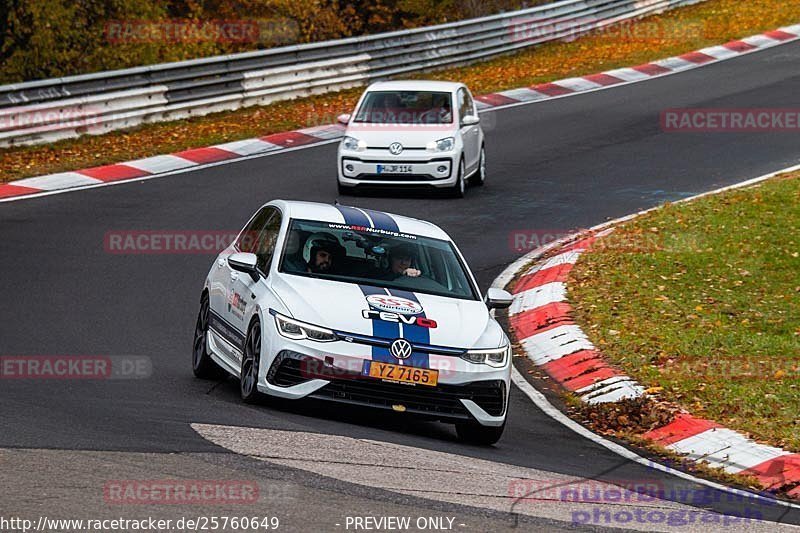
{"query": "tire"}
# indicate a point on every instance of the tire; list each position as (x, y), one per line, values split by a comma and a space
(202, 365)
(459, 188)
(479, 178)
(251, 361)
(474, 433)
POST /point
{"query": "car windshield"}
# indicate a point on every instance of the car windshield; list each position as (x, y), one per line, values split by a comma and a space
(356, 254)
(406, 107)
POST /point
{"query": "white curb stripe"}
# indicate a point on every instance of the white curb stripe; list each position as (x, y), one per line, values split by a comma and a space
(613, 390)
(537, 297)
(793, 29)
(555, 343)
(331, 131)
(627, 74)
(577, 84)
(248, 146)
(726, 448)
(52, 182)
(760, 41)
(562, 259)
(675, 63)
(160, 163)
(524, 94)
(718, 52)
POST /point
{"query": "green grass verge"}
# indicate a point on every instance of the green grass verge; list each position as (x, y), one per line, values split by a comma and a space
(703, 299)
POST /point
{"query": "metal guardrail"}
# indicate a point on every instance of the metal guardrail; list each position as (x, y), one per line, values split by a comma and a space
(49, 110)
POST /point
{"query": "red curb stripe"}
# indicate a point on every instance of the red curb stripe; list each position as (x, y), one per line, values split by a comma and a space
(551, 89)
(209, 154)
(580, 369)
(7, 190)
(779, 35)
(540, 319)
(539, 278)
(651, 69)
(777, 472)
(289, 138)
(496, 99)
(697, 57)
(113, 172)
(739, 46)
(603, 79)
(683, 427)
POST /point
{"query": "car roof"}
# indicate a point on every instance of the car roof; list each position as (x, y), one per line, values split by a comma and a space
(415, 85)
(341, 214)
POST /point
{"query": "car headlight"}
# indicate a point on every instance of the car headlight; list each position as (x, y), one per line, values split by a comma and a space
(296, 330)
(497, 357)
(442, 145)
(351, 143)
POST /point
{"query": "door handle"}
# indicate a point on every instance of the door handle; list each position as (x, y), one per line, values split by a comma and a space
(234, 276)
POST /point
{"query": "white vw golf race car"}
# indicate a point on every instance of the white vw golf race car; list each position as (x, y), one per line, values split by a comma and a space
(359, 307)
(413, 133)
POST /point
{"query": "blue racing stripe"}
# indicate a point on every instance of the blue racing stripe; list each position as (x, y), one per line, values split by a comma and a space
(353, 216)
(382, 220)
(382, 328)
(415, 333)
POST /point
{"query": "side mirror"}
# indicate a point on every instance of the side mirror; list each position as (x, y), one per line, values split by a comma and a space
(244, 262)
(343, 119)
(470, 120)
(498, 299)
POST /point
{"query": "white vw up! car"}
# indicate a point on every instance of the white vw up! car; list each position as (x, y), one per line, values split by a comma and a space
(413, 133)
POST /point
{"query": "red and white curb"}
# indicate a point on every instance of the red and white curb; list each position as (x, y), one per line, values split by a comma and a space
(671, 65)
(541, 320)
(187, 159)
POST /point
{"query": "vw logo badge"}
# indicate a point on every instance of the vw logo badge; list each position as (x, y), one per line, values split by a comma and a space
(395, 148)
(401, 349)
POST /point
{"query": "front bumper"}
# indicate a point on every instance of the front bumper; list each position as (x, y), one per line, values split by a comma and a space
(456, 403)
(333, 372)
(374, 167)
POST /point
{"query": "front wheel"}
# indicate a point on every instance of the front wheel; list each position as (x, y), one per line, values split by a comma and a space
(248, 378)
(460, 186)
(479, 178)
(475, 433)
(202, 364)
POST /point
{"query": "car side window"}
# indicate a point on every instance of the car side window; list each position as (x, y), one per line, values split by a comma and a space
(469, 104)
(246, 242)
(266, 240)
(463, 110)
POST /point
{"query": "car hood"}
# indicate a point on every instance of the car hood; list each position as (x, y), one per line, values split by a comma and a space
(339, 306)
(410, 136)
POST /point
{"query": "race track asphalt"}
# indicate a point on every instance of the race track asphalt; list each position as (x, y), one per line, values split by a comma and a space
(554, 166)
